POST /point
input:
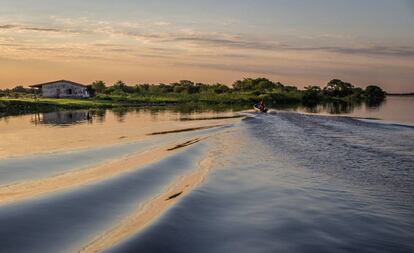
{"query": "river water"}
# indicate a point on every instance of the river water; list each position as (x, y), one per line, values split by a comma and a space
(287, 181)
(395, 109)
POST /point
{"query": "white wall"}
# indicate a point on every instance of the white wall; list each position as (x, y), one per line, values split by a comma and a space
(60, 89)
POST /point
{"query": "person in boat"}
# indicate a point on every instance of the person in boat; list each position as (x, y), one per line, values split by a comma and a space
(261, 105)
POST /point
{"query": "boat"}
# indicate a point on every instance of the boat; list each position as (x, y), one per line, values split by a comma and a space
(262, 110)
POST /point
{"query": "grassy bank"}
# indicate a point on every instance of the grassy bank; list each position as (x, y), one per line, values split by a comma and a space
(19, 106)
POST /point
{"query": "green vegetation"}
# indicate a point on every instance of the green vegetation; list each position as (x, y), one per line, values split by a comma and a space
(246, 91)
(23, 105)
(243, 92)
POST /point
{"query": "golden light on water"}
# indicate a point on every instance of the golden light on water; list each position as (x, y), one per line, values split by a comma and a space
(66, 131)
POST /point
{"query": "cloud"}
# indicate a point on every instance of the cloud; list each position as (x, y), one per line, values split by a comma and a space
(237, 43)
(8, 26)
(20, 27)
(222, 55)
(249, 69)
(106, 45)
(397, 51)
(162, 23)
(37, 29)
(47, 49)
(176, 38)
(233, 43)
(122, 50)
(10, 44)
(374, 50)
(166, 50)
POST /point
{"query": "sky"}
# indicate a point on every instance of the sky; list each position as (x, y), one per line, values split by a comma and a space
(296, 42)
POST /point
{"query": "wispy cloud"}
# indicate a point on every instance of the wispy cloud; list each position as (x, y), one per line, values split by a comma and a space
(37, 29)
(28, 28)
(236, 42)
(175, 37)
(162, 23)
(374, 50)
(10, 44)
(258, 69)
(23, 28)
(7, 26)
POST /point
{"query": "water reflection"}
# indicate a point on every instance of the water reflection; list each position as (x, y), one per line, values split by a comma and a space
(68, 118)
(341, 107)
(99, 115)
(122, 114)
(394, 109)
(375, 104)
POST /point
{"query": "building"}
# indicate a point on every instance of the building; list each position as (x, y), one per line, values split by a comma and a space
(62, 89)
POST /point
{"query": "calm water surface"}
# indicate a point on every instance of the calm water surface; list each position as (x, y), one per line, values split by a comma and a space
(395, 109)
(280, 182)
(298, 183)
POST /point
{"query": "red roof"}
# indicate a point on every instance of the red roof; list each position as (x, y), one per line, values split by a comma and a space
(64, 81)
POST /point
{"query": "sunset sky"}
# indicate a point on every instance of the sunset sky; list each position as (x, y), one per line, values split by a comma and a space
(298, 42)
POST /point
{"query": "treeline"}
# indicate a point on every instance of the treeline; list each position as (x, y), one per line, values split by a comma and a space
(247, 89)
(181, 87)
(243, 91)
(339, 90)
(18, 92)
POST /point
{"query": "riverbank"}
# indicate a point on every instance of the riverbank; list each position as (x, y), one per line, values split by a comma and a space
(19, 106)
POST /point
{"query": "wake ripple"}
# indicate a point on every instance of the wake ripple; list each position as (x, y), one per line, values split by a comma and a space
(371, 153)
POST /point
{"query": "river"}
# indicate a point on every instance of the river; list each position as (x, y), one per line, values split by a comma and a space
(145, 180)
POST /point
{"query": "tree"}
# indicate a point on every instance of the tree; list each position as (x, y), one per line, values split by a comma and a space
(220, 88)
(99, 86)
(258, 84)
(243, 85)
(120, 86)
(186, 86)
(357, 93)
(312, 95)
(179, 89)
(338, 88)
(19, 89)
(374, 93)
(96, 87)
(265, 85)
(202, 87)
(290, 88)
(166, 88)
(143, 88)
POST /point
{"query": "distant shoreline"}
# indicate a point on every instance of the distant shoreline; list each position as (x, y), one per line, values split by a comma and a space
(21, 106)
(401, 94)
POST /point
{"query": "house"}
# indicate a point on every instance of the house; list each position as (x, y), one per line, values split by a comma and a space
(62, 89)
